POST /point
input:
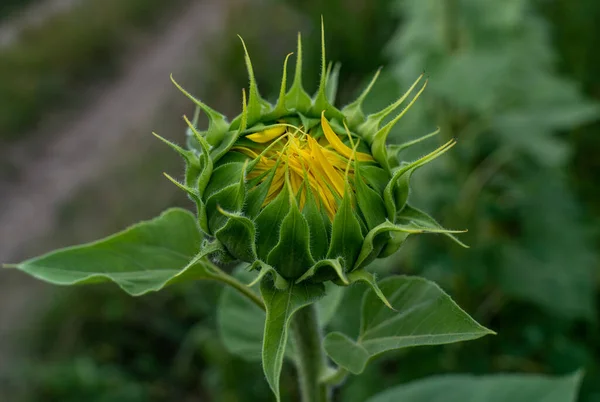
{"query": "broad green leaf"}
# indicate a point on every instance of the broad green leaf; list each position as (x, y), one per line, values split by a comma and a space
(281, 306)
(353, 356)
(423, 315)
(491, 388)
(143, 258)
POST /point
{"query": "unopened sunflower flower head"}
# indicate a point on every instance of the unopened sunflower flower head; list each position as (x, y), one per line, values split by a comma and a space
(302, 189)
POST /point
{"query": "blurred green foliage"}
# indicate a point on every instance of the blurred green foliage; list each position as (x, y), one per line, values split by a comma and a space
(531, 273)
(514, 82)
(49, 63)
(158, 348)
(8, 7)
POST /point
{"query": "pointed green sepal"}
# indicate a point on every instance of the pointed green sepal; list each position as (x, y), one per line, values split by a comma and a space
(258, 194)
(319, 237)
(217, 125)
(255, 102)
(238, 236)
(393, 150)
(346, 236)
(411, 217)
(374, 243)
(265, 269)
(360, 275)
(280, 108)
(353, 111)
(395, 241)
(370, 127)
(368, 200)
(193, 194)
(378, 145)
(191, 141)
(230, 198)
(268, 223)
(395, 194)
(291, 255)
(326, 270)
(189, 156)
(297, 99)
(321, 102)
(205, 161)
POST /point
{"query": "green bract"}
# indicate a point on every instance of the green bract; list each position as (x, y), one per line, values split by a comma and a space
(302, 189)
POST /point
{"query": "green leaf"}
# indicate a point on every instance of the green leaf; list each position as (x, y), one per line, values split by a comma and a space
(352, 356)
(281, 305)
(143, 258)
(242, 323)
(424, 315)
(491, 388)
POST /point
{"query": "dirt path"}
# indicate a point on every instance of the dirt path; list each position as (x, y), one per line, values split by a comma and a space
(80, 149)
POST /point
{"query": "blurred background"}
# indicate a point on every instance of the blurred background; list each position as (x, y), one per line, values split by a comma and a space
(84, 82)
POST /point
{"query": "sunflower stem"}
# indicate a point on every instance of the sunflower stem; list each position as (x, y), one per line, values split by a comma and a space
(244, 289)
(310, 360)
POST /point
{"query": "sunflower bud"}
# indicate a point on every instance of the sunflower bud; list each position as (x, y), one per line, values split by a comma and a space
(301, 188)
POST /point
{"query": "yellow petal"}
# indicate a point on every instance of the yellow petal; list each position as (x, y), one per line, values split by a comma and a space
(327, 170)
(266, 135)
(338, 145)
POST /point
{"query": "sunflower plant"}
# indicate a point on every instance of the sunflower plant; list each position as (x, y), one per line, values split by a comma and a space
(294, 201)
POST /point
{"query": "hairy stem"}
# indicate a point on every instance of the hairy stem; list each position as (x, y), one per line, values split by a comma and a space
(222, 276)
(310, 361)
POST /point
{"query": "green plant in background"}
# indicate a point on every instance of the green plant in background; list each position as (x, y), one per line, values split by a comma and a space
(494, 88)
(308, 195)
(531, 269)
